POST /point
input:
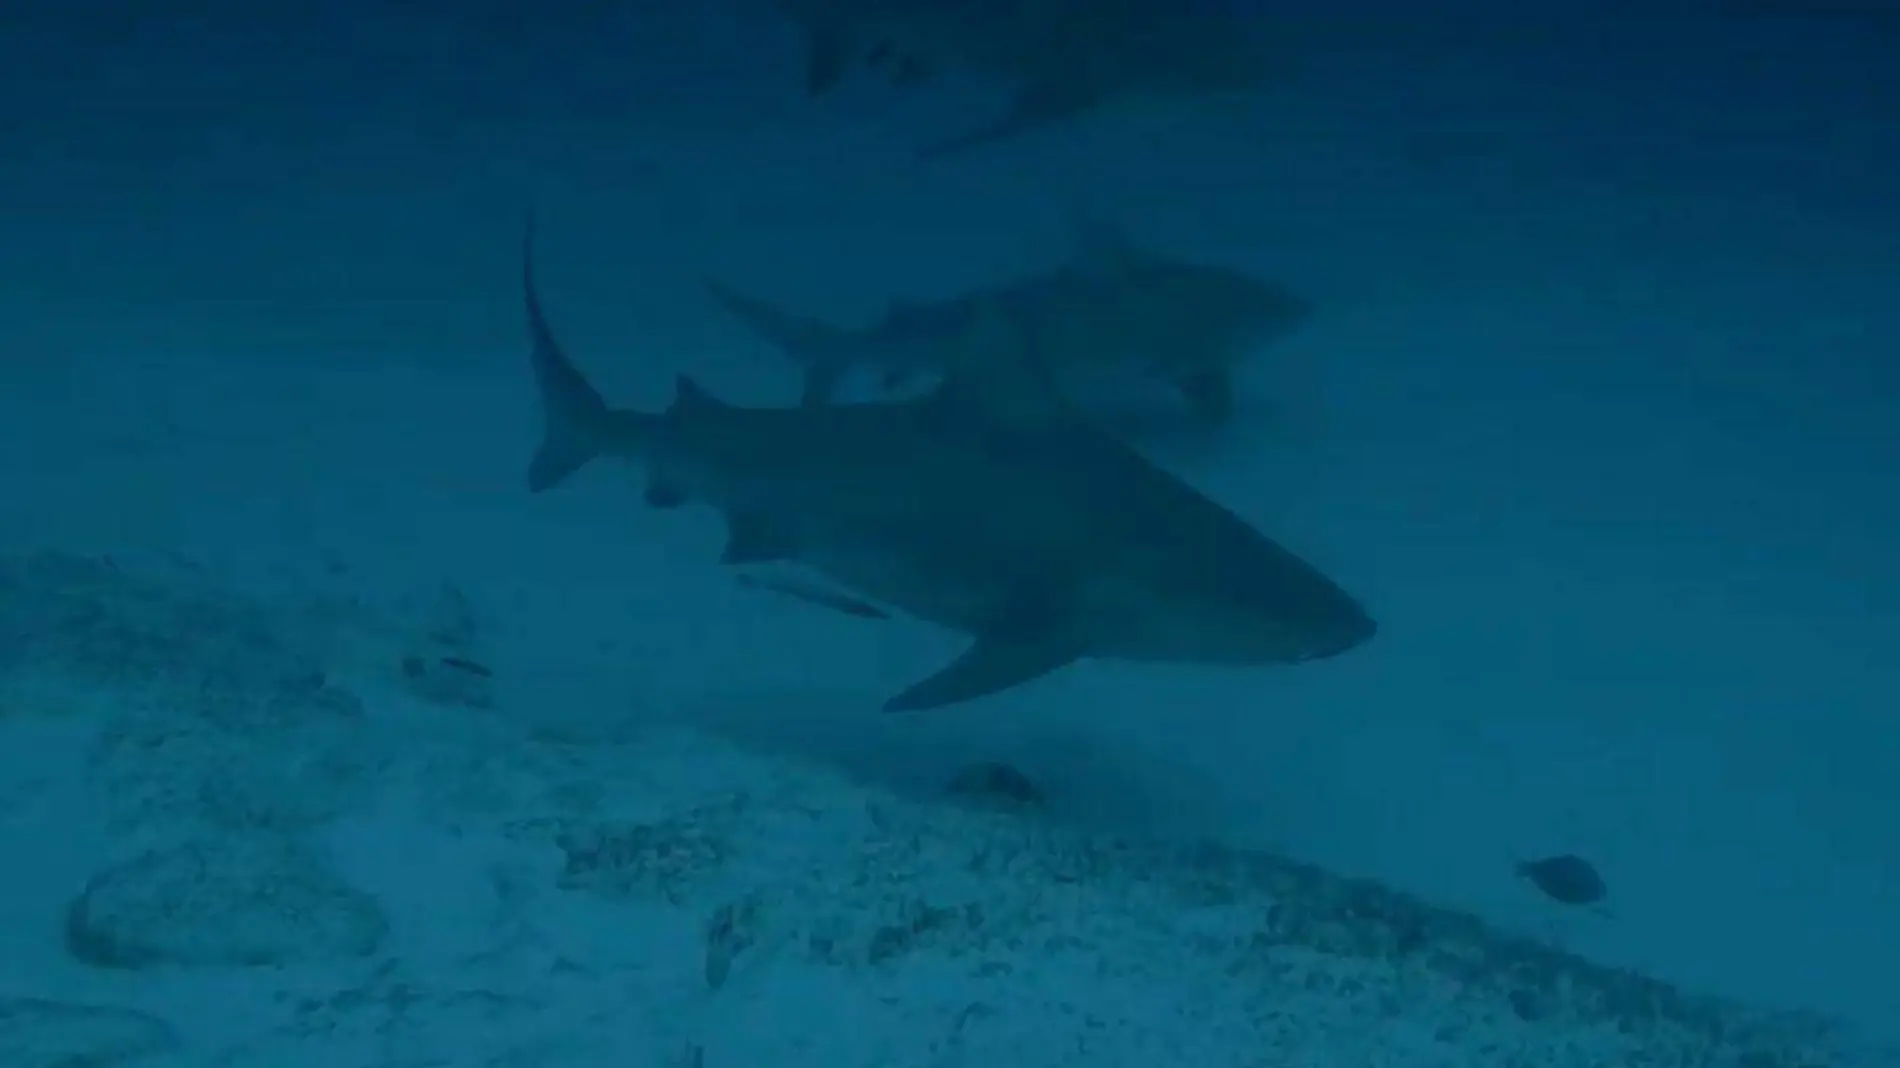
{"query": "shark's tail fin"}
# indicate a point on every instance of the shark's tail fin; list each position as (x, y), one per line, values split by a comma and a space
(577, 425)
(825, 352)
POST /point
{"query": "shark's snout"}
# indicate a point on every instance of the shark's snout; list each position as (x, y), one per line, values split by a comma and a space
(1289, 622)
(1279, 312)
(1347, 627)
(1297, 310)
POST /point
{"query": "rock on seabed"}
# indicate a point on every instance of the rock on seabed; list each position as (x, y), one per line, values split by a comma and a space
(229, 902)
(38, 1033)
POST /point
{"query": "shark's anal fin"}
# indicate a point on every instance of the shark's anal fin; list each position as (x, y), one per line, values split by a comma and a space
(995, 663)
(754, 539)
(1209, 394)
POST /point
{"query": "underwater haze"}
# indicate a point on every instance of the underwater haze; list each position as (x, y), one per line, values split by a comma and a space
(1596, 412)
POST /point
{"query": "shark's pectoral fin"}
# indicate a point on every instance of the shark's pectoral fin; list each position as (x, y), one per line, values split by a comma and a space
(1209, 394)
(755, 539)
(993, 664)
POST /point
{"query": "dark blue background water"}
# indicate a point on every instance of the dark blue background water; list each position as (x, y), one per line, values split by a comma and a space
(1598, 411)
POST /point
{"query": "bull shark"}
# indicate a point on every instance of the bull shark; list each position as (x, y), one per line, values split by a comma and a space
(979, 508)
(1116, 307)
(1063, 58)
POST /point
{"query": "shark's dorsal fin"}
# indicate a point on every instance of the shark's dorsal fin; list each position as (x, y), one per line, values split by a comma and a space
(995, 376)
(1102, 247)
(690, 396)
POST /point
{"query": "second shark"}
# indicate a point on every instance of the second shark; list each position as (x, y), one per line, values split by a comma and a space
(1063, 58)
(1116, 308)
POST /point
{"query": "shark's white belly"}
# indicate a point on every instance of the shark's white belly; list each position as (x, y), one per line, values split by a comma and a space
(959, 601)
(1126, 621)
(1114, 618)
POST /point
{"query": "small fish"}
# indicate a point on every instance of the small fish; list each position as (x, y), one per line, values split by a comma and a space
(815, 594)
(470, 666)
(416, 667)
(994, 783)
(449, 680)
(1565, 878)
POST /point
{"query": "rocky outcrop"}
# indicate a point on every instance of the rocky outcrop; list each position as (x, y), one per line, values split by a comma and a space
(232, 902)
(217, 713)
(38, 1033)
(1008, 919)
(663, 898)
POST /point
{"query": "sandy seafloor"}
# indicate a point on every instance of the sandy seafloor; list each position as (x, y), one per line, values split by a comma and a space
(286, 833)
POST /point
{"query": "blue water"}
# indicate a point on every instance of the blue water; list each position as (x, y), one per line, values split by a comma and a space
(1598, 412)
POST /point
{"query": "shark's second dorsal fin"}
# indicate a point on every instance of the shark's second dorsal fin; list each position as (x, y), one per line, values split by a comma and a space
(996, 376)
